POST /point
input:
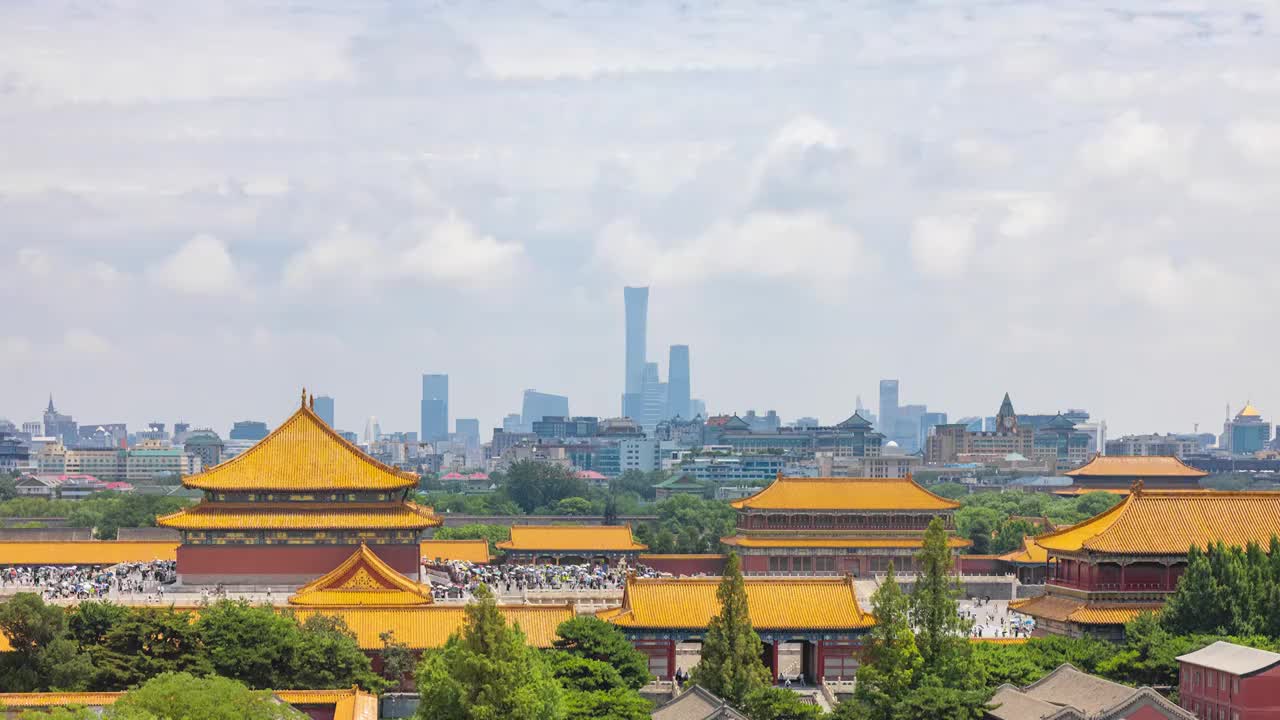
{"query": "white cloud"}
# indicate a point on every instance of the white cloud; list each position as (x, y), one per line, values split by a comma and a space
(1257, 140)
(941, 246)
(1131, 145)
(80, 340)
(202, 266)
(796, 246)
(452, 252)
(35, 261)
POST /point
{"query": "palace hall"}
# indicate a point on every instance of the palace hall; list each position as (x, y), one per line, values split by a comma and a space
(820, 614)
(1117, 473)
(838, 526)
(293, 507)
(1106, 570)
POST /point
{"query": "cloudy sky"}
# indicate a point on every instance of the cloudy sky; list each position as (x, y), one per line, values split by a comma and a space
(206, 206)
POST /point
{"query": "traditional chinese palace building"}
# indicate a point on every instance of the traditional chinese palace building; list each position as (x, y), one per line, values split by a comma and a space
(295, 506)
(839, 526)
(1117, 473)
(821, 614)
(572, 544)
(1106, 570)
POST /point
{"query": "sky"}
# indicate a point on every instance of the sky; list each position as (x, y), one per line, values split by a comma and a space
(205, 207)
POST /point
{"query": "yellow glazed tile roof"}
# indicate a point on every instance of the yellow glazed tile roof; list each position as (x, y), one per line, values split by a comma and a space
(860, 542)
(429, 626)
(814, 603)
(301, 516)
(1031, 553)
(362, 579)
(1064, 609)
(303, 454)
(1073, 492)
(472, 551)
(1168, 522)
(801, 493)
(96, 552)
(351, 704)
(567, 538)
(1140, 466)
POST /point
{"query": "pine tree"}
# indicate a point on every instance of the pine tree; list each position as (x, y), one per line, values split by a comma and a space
(941, 634)
(893, 661)
(731, 664)
(487, 672)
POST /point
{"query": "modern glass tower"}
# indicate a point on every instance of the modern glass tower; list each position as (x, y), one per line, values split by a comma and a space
(678, 383)
(324, 408)
(888, 406)
(435, 408)
(636, 300)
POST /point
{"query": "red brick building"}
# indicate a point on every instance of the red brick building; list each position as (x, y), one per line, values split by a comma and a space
(1230, 681)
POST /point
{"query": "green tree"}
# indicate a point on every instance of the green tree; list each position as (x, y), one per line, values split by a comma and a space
(731, 665)
(595, 639)
(72, 712)
(533, 485)
(254, 645)
(397, 661)
(772, 703)
(476, 531)
(147, 642)
(487, 672)
(43, 656)
(328, 656)
(694, 524)
(941, 634)
(1197, 604)
(1149, 654)
(640, 483)
(182, 696)
(978, 525)
(574, 506)
(893, 660)
(933, 700)
(89, 622)
(616, 704)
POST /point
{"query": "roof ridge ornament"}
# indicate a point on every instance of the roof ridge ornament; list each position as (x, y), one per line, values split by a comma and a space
(304, 396)
(1136, 489)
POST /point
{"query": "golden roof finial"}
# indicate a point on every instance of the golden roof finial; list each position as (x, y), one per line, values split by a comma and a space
(1136, 487)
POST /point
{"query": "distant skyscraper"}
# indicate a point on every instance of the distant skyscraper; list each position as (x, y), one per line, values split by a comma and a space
(248, 430)
(697, 408)
(324, 408)
(58, 425)
(653, 398)
(888, 406)
(435, 408)
(468, 431)
(511, 423)
(538, 405)
(636, 300)
(372, 430)
(678, 383)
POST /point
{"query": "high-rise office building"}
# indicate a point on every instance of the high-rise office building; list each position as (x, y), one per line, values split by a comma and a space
(636, 300)
(248, 430)
(62, 426)
(372, 430)
(538, 405)
(697, 408)
(435, 408)
(888, 406)
(653, 398)
(678, 383)
(511, 423)
(324, 408)
(468, 431)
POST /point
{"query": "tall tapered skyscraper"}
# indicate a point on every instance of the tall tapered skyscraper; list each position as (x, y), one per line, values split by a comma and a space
(435, 408)
(636, 300)
(678, 383)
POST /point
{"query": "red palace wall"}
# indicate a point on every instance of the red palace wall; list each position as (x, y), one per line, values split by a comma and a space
(981, 565)
(285, 564)
(685, 564)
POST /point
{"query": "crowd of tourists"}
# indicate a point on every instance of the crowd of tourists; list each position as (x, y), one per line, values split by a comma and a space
(87, 582)
(994, 619)
(465, 578)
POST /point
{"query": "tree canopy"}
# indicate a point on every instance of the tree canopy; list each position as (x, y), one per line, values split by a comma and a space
(182, 696)
(487, 672)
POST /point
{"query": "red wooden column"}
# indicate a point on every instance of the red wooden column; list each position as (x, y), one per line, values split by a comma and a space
(1168, 577)
(1122, 567)
(671, 659)
(775, 662)
(820, 662)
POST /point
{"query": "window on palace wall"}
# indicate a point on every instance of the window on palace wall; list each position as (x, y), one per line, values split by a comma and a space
(824, 564)
(1235, 686)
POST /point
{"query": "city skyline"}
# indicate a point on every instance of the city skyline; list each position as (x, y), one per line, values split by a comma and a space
(819, 196)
